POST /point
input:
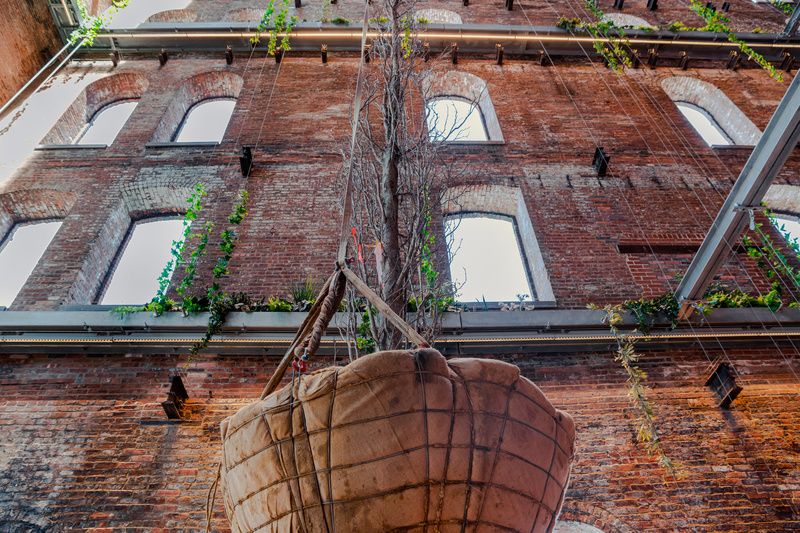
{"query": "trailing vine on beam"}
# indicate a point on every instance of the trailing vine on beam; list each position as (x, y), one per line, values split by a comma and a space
(717, 22)
(608, 39)
(626, 356)
(91, 25)
(277, 22)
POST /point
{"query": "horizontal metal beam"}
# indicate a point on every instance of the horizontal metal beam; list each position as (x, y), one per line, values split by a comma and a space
(471, 38)
(767, 159)
(469, 332)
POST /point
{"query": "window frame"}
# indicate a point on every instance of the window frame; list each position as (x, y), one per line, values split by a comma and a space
(97, 113)
(714, 123)
(191, 108)
(460, 215)
(476, 106)
(106, 282)
(29, 222)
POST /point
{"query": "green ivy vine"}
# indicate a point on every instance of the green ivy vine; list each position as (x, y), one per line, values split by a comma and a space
(786, 7)
(626, 356)
(277, 22)
(92, 25)
(608, 39)
(718, 23)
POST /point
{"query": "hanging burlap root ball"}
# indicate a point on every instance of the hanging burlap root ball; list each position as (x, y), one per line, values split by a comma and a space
(399, 441)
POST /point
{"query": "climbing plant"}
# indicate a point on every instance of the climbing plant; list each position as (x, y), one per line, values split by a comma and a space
(608, 39)
(277, 22)
(626, 356)
(91, 25)
(718, 23)
(786, 7)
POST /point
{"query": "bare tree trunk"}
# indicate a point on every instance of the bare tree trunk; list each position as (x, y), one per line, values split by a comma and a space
(393, 103)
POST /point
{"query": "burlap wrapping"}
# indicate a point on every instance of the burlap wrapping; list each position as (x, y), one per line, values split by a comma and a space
(399, 441)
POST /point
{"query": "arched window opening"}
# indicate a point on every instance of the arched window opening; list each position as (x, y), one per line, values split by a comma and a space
(572, 526)
(138, 11)
(458, 109)
(487, 262)
(714, 116)
(206, 121)
(623, 20)
(454, 119)
(704, 124)
(438, 16)
(107, 123)
(134, 276)
(19, 254)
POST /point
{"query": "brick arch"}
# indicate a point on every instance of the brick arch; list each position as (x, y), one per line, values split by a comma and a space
(591, 515)
(712, 100)
(243, 14)
(204, 86)
(783, 199)
(439, 16)
(33, 204)
(173, 15)
(469, 87)
(96, 95)
(508, 201)
(627, 21)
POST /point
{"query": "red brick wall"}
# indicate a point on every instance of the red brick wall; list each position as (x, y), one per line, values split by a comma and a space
(85, 444)
(663, 180)
(29, 38)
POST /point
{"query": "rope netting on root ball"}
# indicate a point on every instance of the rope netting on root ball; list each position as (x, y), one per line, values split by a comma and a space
(395, 441)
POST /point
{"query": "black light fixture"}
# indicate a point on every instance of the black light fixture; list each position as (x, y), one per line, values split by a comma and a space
(324, 53)
(600, 161)
(298, 4)
(733, 60)
(618, 4)
(229, 55)
(246, 160)
(683, 62)
(544, 59)
(510, 4)
(726, 6)
(114, 56)
(498, 48)
(652, 58)
(787, 63)
(426, 51)
(711, 6)
(176, 397)
(652, 5)
(466, 3)
(722, 381)
(454, 55)
(163, 57)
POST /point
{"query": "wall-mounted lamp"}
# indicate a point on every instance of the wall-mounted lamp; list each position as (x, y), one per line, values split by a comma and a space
(176, 397)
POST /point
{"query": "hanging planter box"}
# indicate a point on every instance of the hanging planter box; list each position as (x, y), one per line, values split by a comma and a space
(398, 441)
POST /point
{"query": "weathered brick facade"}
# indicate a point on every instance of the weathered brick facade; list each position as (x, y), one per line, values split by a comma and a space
(84, 443)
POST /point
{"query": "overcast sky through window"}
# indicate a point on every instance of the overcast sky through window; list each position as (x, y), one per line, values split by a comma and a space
(135, 279)
(704, 125)
(207, 121)
(20, 253)
(487, 250)
(107, 123)
(790, 225)
(454, 120)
